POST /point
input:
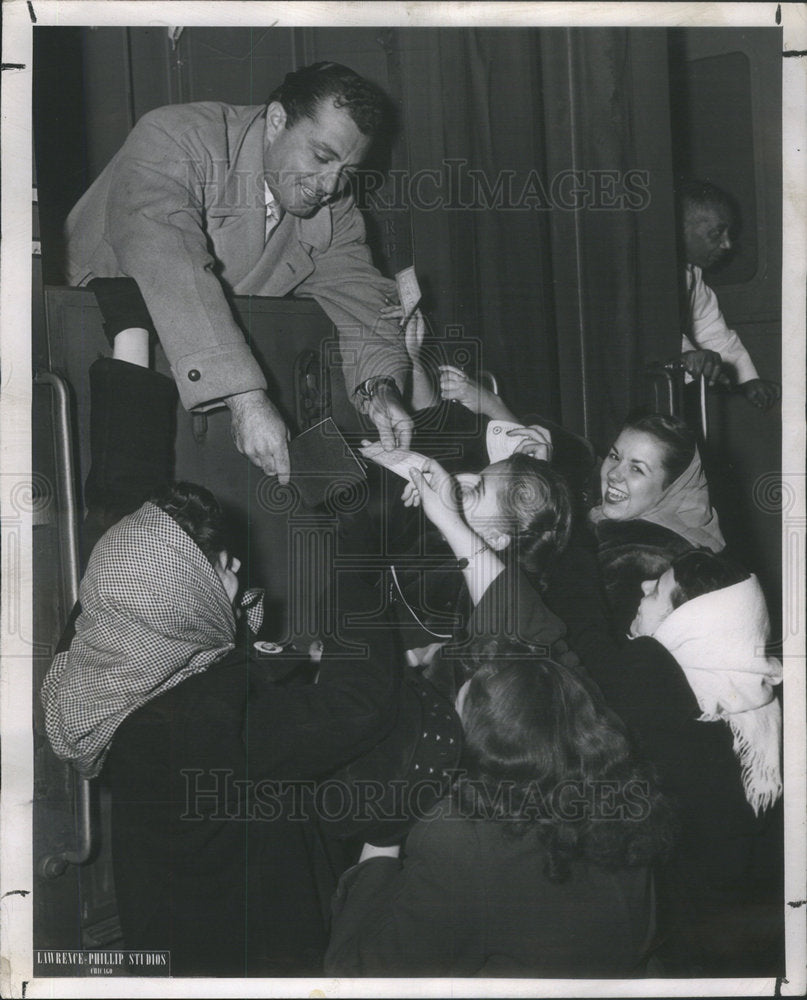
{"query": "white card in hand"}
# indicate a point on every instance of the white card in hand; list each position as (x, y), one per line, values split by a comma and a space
(408, 290)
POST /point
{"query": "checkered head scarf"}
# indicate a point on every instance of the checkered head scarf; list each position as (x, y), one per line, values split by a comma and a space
(153, 612)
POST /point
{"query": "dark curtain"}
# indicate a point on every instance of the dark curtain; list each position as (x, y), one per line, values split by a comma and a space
(543, 220)
(473, 111)
(530, 182)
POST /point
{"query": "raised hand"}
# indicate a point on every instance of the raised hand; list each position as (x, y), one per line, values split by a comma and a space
(456, 385)
(534, 441)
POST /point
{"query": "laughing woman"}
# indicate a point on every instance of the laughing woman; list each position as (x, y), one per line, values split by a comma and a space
(655, 505)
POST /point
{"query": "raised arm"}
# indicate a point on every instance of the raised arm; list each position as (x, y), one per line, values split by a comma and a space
(354, 294)
(710, 332)
(457, 386)
(479, 564)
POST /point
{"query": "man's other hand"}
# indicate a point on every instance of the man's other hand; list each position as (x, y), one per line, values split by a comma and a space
(260, 433)
(393, 423)
(706, 363)
(762, 393)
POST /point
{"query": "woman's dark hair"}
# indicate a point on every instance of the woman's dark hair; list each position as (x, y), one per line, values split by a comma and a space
(537, 509)
(700, 572)
(672, 433)
(543, 752)
(198, 513)
(301, 93)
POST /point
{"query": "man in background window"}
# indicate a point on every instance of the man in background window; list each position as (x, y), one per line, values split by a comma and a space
(708, 346)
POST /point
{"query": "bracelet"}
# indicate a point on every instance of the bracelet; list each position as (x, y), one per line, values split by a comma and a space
(369, 387)
(466, 560)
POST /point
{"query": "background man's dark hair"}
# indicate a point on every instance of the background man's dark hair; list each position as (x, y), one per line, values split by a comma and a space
(702, 571)
(703, 194)
(301, 92)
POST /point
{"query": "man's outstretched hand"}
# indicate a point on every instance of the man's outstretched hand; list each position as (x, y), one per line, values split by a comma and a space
(260, 433)
(393, 423)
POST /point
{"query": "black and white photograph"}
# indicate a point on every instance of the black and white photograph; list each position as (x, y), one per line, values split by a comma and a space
(402, 499)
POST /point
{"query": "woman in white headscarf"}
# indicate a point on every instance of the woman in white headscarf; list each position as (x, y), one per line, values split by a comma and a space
(700, 694)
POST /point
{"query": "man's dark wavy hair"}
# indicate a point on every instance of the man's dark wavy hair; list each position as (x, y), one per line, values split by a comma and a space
(301, 93)
(535, 728)
(198, 513)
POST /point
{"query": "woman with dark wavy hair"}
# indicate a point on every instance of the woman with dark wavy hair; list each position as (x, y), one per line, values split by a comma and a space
(538, 864)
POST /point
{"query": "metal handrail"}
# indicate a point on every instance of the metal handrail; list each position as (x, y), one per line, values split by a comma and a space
(53, 865)
(704, 416)
(492, 381)
(665, 370)
(677, 365)
(65, 467)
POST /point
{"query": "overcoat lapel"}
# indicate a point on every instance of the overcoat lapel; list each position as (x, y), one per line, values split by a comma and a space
(286, 258)
(282, 264)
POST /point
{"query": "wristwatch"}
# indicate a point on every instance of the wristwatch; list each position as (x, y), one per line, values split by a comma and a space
(370, 386)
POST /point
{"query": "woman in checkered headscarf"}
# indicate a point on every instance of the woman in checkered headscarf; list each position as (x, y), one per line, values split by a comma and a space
(156, 607)
(163, 696)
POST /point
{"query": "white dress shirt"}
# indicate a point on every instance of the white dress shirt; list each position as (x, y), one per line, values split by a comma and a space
(708, 331)
(273, 213)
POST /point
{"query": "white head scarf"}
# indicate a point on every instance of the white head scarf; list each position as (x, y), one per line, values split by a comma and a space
(719, 640)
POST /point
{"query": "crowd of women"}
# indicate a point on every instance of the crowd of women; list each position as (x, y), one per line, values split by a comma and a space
(598, 725)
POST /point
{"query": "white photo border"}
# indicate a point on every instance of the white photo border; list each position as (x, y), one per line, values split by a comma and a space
(16, 862)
